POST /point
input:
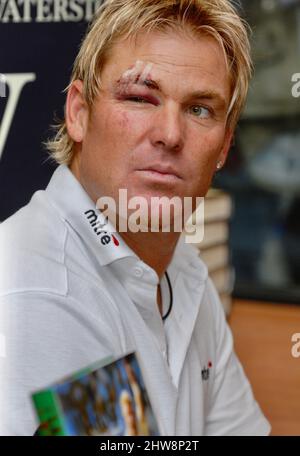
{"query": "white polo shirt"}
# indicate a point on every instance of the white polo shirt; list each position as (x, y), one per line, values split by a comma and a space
(71, 294)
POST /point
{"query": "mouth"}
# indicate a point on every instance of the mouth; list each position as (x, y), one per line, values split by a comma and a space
(161, 173)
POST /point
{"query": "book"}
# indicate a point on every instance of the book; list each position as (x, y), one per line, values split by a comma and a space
(214, 214)
(108, 398)
(215, 256)
(213, 217)
(217, 206)
(214, 233)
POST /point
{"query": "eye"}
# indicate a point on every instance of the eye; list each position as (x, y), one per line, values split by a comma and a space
(201, 111)
(142, 99)
(137, 99)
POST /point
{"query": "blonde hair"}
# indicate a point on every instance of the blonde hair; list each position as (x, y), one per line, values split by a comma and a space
(116, 19)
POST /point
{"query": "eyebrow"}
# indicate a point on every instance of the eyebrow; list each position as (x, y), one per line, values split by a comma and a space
(208, 95)
(199, 94)
(203, 95)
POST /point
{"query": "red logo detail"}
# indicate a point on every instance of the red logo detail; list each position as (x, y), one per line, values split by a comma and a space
(209, 364)
(116, 242)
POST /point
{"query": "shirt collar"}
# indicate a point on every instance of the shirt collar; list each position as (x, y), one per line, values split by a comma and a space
(78, 209)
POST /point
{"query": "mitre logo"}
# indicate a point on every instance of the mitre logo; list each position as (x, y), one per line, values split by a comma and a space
(100, 228)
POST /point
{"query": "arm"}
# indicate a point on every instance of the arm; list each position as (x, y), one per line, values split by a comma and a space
(233, 409)
(46, 339)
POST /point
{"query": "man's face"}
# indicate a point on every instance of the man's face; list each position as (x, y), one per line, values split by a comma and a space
(161, 138)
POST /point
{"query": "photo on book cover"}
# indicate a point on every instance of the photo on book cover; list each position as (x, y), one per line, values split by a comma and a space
(109, 401)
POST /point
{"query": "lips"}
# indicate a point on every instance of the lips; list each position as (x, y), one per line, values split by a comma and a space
(162, 170)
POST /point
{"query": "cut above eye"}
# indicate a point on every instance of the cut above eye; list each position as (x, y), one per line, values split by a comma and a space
(200, 111)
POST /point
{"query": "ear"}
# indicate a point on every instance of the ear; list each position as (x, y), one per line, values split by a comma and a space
(226, 146)
(76, 113)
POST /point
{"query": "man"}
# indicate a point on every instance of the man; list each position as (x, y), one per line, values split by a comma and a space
(156, 90)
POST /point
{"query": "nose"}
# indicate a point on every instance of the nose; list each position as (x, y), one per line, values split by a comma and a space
(168, 129)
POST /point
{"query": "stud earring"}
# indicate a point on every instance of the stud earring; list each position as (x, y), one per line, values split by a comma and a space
(219, 165)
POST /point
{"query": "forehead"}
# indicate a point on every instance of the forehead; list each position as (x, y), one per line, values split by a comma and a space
(179, 61)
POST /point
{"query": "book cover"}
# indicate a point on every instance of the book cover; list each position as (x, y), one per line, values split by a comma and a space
(106, 399)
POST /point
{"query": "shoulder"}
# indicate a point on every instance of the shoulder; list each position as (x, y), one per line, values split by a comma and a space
(32, 249)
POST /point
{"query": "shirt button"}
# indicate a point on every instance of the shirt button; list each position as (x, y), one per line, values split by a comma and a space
(138, 272)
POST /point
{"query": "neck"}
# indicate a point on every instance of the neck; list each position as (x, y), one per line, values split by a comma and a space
(155, 249)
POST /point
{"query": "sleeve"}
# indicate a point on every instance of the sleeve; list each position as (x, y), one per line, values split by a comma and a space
(44, 338)
(233, 409)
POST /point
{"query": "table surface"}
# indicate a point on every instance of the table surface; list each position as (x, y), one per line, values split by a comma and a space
(262, 333)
